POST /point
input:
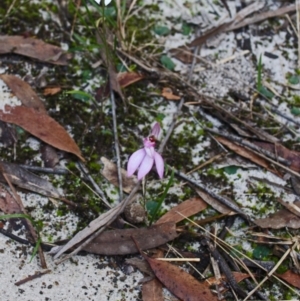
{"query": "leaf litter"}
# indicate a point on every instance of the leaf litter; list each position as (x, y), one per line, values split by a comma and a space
(214, 184)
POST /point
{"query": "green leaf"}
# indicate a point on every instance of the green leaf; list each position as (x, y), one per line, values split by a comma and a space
(167, 62)
(186, 29)
(265, 92)
(161, 30)
(294, 79)
(160, 117)
(261, 252)
(81, 95)
(295, 111)
(152, 207)
(231, 170)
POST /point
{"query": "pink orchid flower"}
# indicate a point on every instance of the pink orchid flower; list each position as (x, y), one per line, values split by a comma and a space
(144, 158)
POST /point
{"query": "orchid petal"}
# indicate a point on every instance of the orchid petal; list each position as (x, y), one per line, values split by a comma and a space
(135, 161)
(145, 167)
(150, 151)
(159, 163)
(155, 130)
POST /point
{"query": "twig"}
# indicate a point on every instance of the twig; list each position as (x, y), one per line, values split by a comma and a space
(32, 277)
(224, 201)
(272, 271)
(248, 144)
(224, 268)
(116, 137)
(57, 171)
(263, 16)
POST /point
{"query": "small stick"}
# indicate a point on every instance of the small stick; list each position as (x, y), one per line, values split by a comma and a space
(115, 127)
(243, 142)
(57, 171)
(32, 277)
(224, 201)
(179, 259)
(224, 268)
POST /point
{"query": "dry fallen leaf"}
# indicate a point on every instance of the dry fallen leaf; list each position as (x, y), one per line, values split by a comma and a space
(179, 282)
(279, 150)
(187, 208)
(8, 204)
(128, 78)
(110, 172)
(34, 48)
(27, 180)
(291, 278)
(119, 242)
(244, 152)
(213, 202)
(281, 219)
(23, 92)
(41, 126)
(152, 290)
(51, 90)
(168, 94)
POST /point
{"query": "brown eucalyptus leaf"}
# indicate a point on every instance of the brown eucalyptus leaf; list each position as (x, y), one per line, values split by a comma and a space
(179, 282)
(291, 278)
(152, 290)
(27, 180)
(8, 204)
(281, 151)
(213, 202)
(110, 172)
(281, 219)
(41, 126)
(126, 79)
(23, 92)
(248, 154)
(187, 208)
(119, 242)
(34, 48)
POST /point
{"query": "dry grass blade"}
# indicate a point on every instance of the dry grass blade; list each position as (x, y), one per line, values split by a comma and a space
(271, 272)
(225, 247)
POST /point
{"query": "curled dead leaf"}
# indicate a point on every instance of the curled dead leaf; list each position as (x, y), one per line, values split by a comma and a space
(168, 94)
(126, 79)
